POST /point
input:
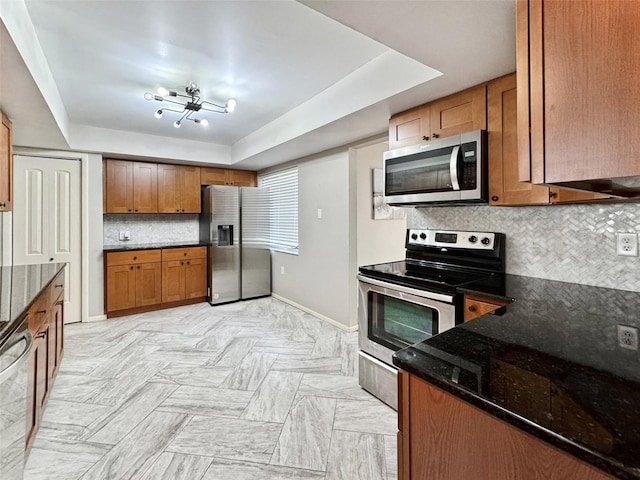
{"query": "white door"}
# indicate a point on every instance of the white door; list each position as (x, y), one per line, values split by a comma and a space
(46, 220)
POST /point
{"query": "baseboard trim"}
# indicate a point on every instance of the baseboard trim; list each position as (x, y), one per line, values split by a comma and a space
(96, 318)
(341, 326)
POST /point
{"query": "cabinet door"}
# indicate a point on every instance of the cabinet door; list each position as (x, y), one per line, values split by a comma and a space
(173, 281)
(190, 189)
(214, 176)
(121, 287)
(479, 446)
(505, 187)
(169, 188)
(145, 187)
(57, 332)
(36, 384)
(195, 278)
(148, 284)
(475, 307)
(459, 113)
(583, 62)
(410, 128)
(119, 186)
(6, 163)
(243, 178)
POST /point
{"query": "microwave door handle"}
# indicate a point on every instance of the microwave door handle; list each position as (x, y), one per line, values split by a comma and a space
(453, 167)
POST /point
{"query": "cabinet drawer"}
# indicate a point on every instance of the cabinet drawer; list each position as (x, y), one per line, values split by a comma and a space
(169, 254)
(56, 288)
(133, 257)
(38, 314)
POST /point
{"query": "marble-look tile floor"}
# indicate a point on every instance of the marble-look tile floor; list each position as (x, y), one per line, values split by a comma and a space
(253, 390)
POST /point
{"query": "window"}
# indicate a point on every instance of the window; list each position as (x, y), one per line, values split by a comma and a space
(283, 206)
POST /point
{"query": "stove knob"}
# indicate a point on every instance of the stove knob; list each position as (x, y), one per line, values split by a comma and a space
(473, 239)
(485, 241)
(423, 236)
(414, 236)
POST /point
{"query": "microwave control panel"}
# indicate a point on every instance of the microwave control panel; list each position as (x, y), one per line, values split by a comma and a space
(451, 239)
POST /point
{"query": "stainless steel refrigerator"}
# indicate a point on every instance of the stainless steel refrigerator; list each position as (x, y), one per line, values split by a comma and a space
(235, 224)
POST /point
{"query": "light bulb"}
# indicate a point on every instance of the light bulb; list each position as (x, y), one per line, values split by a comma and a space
(158, 114)
(193, 85)
(162, 91)
(204, 122)
(176, 124)
(148, 96)
(231, 105)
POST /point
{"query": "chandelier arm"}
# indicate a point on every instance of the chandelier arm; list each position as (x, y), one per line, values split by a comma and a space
(186, 115)
(171, 110)
(220, 107)
(182, 95)
(174, 102)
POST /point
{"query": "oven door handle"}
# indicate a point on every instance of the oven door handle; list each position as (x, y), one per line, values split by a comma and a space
(411, 291)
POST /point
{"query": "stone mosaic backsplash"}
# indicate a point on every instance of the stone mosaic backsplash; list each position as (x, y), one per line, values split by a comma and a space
(151, 228)
(570, 243)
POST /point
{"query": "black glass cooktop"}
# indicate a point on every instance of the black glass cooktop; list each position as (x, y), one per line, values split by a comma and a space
(425, 275)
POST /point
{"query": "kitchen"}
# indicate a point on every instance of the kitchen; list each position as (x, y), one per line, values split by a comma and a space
(586, 230)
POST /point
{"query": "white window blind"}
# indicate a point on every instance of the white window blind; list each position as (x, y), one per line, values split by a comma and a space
(283, 206)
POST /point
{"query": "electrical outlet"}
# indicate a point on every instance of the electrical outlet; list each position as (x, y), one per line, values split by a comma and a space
(628, 337)
(124, 236)
(627, 244)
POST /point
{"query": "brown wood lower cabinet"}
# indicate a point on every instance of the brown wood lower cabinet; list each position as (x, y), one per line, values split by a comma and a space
(45, 322)
(445, 438)
(184, 279)
(475, 307)
(143, 280)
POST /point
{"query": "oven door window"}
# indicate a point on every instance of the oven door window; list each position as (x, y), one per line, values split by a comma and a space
(397, 323)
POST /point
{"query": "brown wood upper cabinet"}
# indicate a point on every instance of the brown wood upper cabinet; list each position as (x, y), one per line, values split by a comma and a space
(131, 187)
(178, 189)
(505, 187)
(578, 66)
(6, 163)
(458, 113)
(224, 176)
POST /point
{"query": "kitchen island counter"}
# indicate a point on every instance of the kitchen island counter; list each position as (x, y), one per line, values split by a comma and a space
(20, 286)
(552, 365)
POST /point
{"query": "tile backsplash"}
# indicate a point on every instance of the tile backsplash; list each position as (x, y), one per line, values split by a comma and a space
(151, 228)
(570, 243)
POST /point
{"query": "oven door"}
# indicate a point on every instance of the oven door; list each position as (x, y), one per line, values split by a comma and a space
(391, 317)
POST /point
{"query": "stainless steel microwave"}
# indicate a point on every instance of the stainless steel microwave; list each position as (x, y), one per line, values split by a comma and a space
(444, 171)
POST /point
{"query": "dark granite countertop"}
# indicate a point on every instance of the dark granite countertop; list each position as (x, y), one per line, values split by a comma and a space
(550, 365)
(20, 285)
(124, 246)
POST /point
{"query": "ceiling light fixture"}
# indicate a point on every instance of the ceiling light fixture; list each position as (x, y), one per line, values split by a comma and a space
(191, 103)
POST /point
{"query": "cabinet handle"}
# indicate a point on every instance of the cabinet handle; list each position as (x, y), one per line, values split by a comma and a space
(41, 311)
(183, 209)
(185, 254)
(128, 210)
(41, 335)
(181, 263)
(434, 135)
(3, 204)
(135, 258)
(59, 286)
(188, 263)
(136, 210)
(552, 194)
(59, 302)
(138, 267)
(425, 138)
(131, 267)
(495, 198)
(472, 308)
(177, 209)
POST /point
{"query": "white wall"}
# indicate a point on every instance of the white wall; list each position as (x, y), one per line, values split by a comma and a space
(378, 241)
(320, 277)
(92, 220)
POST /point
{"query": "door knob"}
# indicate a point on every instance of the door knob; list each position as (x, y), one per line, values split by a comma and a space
(51, 259)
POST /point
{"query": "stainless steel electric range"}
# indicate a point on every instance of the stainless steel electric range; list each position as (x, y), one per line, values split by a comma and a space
(405, 302)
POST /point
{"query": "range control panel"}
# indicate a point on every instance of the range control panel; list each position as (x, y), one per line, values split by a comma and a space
(451, 239)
